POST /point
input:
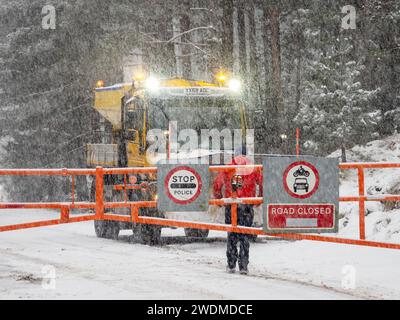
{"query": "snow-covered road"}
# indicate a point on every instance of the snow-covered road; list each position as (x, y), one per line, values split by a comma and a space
(88, 267)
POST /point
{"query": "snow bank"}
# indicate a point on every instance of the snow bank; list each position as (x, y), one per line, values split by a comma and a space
(382, 219)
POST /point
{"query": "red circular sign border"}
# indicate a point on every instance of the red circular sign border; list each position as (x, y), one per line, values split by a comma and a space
(198, 189)
(286, 172)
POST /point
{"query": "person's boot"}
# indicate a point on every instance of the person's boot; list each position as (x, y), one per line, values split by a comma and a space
(244, 271)
(230, 270)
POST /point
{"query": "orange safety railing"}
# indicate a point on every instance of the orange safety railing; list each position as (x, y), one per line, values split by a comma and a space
(100, 205)
(64, 207)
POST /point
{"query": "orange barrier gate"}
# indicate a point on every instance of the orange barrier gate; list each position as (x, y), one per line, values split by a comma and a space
(100, 205)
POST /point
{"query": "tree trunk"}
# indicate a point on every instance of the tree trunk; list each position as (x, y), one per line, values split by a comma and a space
(197, 59)
(251, 60)
(260, 60)
(277, 117)
(186, 25)
(176, 27)
(298, 39)
(276, 60)
(343, 148)
(267, 53)
(227, 34)
(241, 37)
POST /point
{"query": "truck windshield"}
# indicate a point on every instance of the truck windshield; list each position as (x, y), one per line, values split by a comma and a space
(194, 113)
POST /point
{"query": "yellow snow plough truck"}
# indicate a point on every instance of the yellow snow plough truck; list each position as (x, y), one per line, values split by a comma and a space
(132, 111)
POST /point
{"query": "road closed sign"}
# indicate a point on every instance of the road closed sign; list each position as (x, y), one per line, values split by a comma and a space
(182, 187)
(301, 194)
(301, 179)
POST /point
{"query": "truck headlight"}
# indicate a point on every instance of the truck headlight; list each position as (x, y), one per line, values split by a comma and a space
(234, 85)
(152, 84)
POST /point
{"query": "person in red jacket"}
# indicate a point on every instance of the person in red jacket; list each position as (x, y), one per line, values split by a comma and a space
(241, 183)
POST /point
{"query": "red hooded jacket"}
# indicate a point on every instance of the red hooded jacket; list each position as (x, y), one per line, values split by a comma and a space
(249, 178)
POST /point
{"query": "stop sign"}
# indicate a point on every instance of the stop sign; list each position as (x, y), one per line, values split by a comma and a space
(183, 185)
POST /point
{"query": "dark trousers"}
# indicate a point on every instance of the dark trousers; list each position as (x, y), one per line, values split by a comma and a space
(245, 214)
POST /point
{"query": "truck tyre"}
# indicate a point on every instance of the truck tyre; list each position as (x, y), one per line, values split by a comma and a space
(196, 233)
(147, 234)
(252, 237)
(106, 229)
(103, 228)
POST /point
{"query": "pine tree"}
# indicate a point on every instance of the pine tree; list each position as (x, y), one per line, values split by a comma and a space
(336, 111)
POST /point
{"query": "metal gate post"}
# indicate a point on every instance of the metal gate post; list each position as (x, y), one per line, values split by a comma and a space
(99, 193)
(361, 202)
(134, 214)
(234, 207)
(64, 214)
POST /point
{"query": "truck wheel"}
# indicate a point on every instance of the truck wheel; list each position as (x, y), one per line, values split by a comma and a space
(252, 237)
(103, 228)
(196, 233)
(106, 229)
(147, 234)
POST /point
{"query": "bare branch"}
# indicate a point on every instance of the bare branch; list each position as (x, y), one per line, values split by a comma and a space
(189, 31)
(197, 46)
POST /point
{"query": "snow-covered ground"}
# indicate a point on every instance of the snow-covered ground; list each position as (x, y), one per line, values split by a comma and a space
(88, 267)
